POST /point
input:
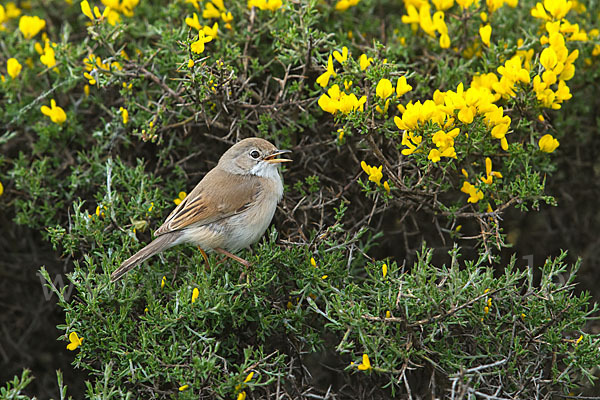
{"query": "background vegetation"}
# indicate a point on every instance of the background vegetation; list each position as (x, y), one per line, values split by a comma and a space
(444, 153)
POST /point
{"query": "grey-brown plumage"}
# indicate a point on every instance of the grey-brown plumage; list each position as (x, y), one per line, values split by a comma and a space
(229, 209)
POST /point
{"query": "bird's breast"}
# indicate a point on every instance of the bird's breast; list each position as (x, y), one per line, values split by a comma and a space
(248, 226)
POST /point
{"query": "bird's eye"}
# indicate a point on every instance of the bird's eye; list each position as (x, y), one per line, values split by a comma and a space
(254, 154)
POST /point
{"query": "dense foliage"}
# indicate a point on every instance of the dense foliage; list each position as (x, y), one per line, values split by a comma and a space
(431, 119)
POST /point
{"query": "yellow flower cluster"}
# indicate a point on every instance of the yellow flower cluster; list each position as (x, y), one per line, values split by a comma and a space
(209, 31)
(419, 15)
(385, 89)
(551, 88)
(92, 64)
(180, 197)
(110, 15)
(7, 12)
(474, 192)
(214, 9)
(375, 175)
(271, 5)
(336, 100)
(47, 54)
(238, 388)
(445, 145)
(112, 10)
(444, 109)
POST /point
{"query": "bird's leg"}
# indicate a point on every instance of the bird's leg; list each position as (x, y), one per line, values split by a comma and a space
(204, 256)
(233, 256)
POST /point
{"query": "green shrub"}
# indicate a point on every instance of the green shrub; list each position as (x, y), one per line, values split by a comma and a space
(401, 117)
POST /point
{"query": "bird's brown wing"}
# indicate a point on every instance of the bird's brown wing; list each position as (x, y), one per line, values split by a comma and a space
(218, 195)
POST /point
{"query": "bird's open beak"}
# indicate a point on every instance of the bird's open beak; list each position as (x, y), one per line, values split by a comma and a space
(272, 158)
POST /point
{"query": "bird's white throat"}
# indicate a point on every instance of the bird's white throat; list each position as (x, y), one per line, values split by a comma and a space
(271, 172)
(266, 170)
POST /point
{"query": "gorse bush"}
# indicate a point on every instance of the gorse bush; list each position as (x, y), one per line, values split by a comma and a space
(431, 118)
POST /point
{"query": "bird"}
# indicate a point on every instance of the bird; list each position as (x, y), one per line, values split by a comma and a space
(228, 210)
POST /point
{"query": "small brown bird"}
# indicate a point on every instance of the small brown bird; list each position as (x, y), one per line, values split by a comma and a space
(229, 209)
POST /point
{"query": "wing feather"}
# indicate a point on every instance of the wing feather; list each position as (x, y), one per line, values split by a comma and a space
(218, 195)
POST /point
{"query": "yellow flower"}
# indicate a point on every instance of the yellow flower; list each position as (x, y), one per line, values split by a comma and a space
(111, 15)
(212, 32)
(489, 174)
(99, 211)
(90, 78)
(485, 32)
(124, 115)
(265, 4)
(384, 269)
(210, 11)
(193, 22)
(249, 377)
(375, 173)
(409, 140)
(386, 186)
(351, 103)
(323, 79)
(48, 58)
(198, 45)
(1, 189)
(241, 396)
(384, 88)
(558, 9)
(56, 114)
(336, 100)
(31, 26)
(402, 87)
(434, 155)
(86, 9)
(75, 340)
(163, 281)
(179, 198)
(364, 61)
(474, 194)
(366, 363)
(579, 339)
(548, 58)
(341, 57)
(195, 294)
(183, 387)
(442, 5)
(13, 67)
(190, 63)
(313, 262)
(548, 144)
(343, 5)
(444, 41)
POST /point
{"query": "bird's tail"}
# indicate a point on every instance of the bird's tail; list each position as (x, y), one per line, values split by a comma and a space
(159, 244)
